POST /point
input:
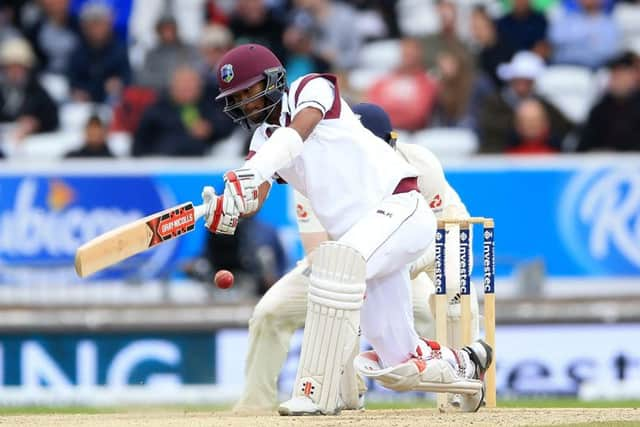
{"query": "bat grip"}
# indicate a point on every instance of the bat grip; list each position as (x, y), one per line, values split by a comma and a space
(199, 211)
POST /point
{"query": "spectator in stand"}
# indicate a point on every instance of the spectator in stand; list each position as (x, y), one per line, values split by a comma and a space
(626, 15)
(95, 140)
(300, 58)
(614, 121)
(461, 93)
(497, 114)
(408, 94)
(491, 50)
(190, 16)
(162, 60)
(447, 39)
(22, 99)
(121, 14)
(7, 29)
(99, 67)
(214, 14)
(525, 28)
(636, 58)
(372, 11)
(54, 36)
(215, 41)
(455, 86)
(252, 21)
(532, 131)
(587, 37)
(335, 39)
(607, 5)
(181, 123)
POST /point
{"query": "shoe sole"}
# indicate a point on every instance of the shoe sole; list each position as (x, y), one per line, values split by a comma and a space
(285, 412)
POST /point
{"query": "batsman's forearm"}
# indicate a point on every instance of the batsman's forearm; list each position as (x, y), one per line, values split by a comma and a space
(284, 145)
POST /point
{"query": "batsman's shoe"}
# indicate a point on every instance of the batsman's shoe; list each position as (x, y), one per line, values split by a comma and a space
(302, 405)
(434, 369)
(433, 375)
(481, 355)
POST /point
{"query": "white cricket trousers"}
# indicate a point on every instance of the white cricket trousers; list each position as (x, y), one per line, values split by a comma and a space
(390, 237)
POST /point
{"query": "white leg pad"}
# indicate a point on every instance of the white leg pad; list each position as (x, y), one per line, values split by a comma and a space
(331, 332)
(352, 384)
(434, 375)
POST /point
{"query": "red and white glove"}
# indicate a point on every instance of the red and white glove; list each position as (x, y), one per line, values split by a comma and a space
(222, 213)
(241, 185)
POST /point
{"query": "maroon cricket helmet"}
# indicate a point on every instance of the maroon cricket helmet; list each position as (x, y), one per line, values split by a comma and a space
(241, 68)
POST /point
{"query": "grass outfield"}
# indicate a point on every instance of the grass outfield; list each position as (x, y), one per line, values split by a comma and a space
(516, 403)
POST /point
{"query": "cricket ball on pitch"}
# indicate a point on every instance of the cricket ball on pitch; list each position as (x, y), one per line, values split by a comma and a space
(223, 279)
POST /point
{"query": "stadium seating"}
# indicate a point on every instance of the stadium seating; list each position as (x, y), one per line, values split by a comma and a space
(571, 89)
(627, 16)
(417, 17)
(380, 55)
(57, 86)
(447, 142)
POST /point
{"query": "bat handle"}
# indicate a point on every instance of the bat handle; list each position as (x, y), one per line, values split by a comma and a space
(199, 211)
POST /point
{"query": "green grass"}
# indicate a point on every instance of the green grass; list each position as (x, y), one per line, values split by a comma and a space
(600, 424)
(413, 404)
(567, 403)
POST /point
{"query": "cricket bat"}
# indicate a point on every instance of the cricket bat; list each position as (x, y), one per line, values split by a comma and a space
(130, 239)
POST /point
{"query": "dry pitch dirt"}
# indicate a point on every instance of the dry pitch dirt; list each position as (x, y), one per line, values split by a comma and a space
(418, 417)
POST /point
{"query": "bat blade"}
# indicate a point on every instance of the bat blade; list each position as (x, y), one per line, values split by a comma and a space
(137, 236)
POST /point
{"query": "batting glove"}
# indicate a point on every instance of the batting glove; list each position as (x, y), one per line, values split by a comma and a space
(241, 185)
(222, 213)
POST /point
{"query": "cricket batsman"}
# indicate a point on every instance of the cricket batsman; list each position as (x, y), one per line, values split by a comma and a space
(282, 310)
(367, 199)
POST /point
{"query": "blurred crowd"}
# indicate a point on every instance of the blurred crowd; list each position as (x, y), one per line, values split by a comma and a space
(515, 76)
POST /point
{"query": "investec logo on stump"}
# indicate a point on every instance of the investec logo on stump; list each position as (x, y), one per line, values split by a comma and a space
(43, 220)
(439, 274)
(599, 220)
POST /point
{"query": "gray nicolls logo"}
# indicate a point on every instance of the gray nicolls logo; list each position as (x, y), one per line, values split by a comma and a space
(385, 213)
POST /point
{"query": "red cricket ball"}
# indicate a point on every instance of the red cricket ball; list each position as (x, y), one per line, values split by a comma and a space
(223, 279)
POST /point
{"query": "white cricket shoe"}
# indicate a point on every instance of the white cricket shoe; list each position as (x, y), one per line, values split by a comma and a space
(301, 405)
(481, 355)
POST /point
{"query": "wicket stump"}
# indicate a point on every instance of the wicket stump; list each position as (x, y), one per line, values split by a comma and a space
(441, 302)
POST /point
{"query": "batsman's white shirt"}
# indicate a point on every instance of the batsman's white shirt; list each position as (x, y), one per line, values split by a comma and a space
(344, 169)
(443, 199)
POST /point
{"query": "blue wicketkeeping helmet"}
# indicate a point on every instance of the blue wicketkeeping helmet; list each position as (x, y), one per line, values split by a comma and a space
(376, 120)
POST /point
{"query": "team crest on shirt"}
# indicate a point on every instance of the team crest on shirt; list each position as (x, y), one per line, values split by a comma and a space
(226, 73)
